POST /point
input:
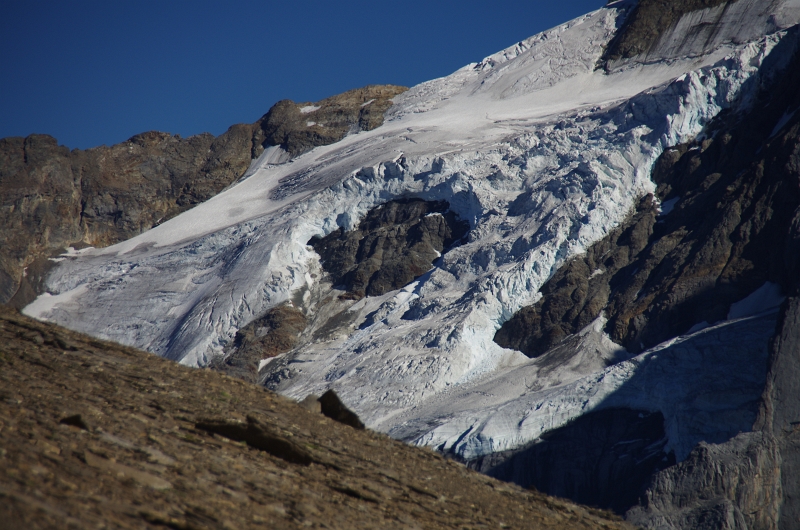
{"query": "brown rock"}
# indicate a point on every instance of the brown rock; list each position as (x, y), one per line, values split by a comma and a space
(332, 407)
(300, 127)
(394, 244)
(274, 333)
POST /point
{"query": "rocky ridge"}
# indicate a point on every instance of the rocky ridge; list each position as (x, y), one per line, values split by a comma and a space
(93, 434)
(53, 198)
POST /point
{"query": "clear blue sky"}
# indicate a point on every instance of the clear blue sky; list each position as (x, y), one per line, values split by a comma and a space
(98, 72)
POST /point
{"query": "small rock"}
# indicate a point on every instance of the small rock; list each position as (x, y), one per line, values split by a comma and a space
(333, 408)
(76, 420)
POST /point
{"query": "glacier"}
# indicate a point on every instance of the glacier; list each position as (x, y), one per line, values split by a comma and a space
(539, 150)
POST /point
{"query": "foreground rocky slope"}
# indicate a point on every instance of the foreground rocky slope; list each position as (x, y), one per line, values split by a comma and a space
(93, 434)
(52, 198)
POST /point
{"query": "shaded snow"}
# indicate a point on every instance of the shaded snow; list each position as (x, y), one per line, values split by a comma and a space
(786, 118)
(667, 207)
(768, 297)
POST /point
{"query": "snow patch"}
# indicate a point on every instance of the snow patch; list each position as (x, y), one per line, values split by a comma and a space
(786, 118)
(667, 207)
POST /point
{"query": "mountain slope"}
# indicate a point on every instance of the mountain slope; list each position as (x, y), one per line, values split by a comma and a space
(633, 213)
(94, 434)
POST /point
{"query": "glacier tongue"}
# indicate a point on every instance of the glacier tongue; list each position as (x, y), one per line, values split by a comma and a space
(538, 151)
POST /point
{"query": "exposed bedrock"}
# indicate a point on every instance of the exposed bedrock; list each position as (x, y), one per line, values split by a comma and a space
(52, 198)
(394, 244)
(749, 482)
(728, 223)
(276, 332)
(300, 127)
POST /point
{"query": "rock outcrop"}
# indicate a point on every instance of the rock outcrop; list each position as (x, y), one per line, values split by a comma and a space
(276, 332)
(332, 407)
(394, 244)
(52, 198)
(300, 127)
(93, 434)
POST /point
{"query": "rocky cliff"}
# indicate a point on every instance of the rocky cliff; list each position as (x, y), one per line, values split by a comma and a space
(53, 198)
(750, 481)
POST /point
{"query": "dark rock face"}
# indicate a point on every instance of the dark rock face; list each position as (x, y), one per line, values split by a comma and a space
(300, 127)
(272, 334)
(603, 459)
(579, 291)
(780, 416)
(394, 244)
(646, 23)
(52, 198)
(733, 228)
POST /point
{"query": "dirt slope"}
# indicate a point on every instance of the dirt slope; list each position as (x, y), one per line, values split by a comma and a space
(96, 435)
